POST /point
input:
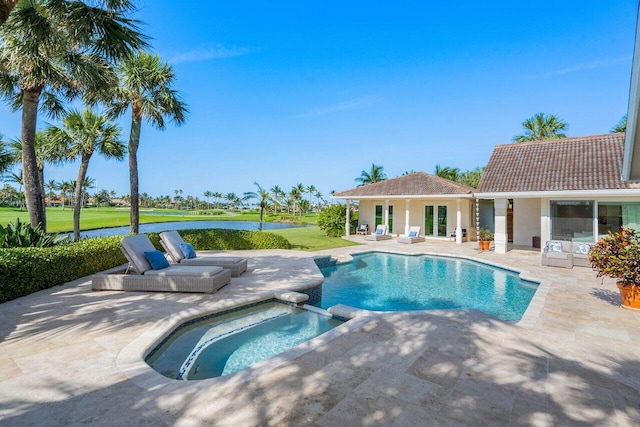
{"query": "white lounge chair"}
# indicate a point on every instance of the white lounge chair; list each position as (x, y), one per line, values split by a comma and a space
(171, 241)
(412, 237)
(175, 278)
(379, 234)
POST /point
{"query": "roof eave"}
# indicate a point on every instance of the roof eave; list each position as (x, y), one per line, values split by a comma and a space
(624, 192)
(413, 196)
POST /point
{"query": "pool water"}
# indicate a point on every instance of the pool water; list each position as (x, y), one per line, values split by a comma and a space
(219, 345)
(390, 282)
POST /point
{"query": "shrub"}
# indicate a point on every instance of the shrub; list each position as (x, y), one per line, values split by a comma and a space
(221, 239)
(27, 270)
(332, 219)
(617, 255)
(22, 235)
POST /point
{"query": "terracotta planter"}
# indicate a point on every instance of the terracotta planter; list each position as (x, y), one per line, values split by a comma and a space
(484, 245)
(629, 295)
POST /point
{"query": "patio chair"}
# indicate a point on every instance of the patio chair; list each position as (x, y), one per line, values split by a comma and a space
(379, 234)
(362, 229)
(177, 249)
(141, 254)
(452, 236)
(412, 237)
(557, 253)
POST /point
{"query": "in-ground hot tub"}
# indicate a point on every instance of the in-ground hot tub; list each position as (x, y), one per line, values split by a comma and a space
(224, 343)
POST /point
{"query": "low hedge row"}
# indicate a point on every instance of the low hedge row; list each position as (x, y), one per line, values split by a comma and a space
(27, 270)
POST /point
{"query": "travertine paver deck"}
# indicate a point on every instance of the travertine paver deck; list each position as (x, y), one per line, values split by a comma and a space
(71, 356)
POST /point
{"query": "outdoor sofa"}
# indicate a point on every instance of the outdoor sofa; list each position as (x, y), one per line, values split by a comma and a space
(141, 276)
(566, 254)
(178, 250)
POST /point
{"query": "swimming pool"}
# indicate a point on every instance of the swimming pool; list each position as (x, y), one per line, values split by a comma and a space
(390, 282)
(222, 344)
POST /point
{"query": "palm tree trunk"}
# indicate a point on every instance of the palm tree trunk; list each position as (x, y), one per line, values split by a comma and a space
(134, 140)
(44, 196)
(32, 191)
(5, 9)
(82, 172)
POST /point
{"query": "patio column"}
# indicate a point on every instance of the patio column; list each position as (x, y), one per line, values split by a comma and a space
(544, 223)
(386, 214)
(459, 222)
(406, 217)
(347, 225)
(500, 233)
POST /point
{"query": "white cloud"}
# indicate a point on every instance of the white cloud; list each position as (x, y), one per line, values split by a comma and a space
(583, 67)
(214, 52)
(353, 104)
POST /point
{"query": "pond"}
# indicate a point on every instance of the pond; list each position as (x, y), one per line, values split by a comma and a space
(185, 225)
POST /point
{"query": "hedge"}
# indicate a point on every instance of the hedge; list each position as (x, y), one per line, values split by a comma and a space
(27, 270)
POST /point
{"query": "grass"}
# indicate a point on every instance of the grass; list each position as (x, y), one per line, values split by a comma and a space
(311, 239)
(59, 220)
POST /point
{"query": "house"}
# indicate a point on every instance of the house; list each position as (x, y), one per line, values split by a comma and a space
(564, 189)
(439, 206)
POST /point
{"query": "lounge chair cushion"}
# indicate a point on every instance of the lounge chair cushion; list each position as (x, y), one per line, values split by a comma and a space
(134, 248)
(171, 242)
(187, 250)
(181, 270)
(555, 246)
(156, 259)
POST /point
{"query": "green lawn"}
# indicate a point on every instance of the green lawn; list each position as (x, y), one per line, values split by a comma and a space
(59, 220)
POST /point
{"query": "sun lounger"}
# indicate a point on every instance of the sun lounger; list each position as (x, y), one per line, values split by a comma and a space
(412, 237)
(171, 241)
(174, 278)
(379, 234)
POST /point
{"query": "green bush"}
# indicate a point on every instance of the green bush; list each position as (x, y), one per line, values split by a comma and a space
(27, 270)
(221, 239)
(331, 220)
(18, 234)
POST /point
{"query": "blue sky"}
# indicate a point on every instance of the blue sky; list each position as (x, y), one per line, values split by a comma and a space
(314, 92)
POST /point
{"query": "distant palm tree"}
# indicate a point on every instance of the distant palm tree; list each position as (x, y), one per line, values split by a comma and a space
(447, 172)
(375, 175)
(217, 197)
(53, 51)
(262, 196)
(5, 157)
(621, 126)
(145, 86)
(208, 194)
(82, 134)
(310, 189)
(277, 196)
(540, 127)
(17, 178)
(232, 199)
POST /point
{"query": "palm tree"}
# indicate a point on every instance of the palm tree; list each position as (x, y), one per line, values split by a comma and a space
(277, 196)
(310, 189)
(621, 126)
(208, 194)
(52, 50)
(540, 127)
(5, 157)
(66, 187)
(262, 196)
(82, 134)
(6, 6)
(51, 187)
(217, 197)
(145, 86)
(232, 198)
(447, 172)
(375, 175)
(17, 178)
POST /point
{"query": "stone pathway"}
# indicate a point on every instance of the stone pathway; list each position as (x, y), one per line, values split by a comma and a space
(70, 356)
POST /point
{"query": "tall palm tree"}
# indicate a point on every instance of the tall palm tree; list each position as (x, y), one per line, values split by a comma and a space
(5, 158)
(262, 196)
(217, 197)
(540, 127)
(145, 86)
(375, 175)
(208, 194)
(82, 134)
(55, 50)
(621, 126)
(66, 187)
(310, 189)
(277, 196)
(45, 153)
(447, 172)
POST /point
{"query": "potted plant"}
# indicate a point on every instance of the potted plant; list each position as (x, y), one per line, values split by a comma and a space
(484, 239)
(617, 255)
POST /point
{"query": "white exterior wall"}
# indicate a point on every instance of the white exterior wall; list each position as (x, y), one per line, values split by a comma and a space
(367, 212)
(526, 221)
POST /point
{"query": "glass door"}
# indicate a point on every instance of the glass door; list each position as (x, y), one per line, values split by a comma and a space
(428, 220)
(442, 221)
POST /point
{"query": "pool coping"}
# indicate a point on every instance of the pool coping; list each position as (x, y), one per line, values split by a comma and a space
(131, 359)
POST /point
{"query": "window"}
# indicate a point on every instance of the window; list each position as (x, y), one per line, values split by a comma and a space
(378, 215)
(613, 215)
(572, 220)
(428, 220)
(442, 220)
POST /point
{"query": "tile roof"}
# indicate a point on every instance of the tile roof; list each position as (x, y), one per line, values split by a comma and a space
(415, 184)
(584, 163)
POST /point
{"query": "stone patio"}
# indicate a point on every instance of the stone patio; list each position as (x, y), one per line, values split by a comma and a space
(70, 356)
